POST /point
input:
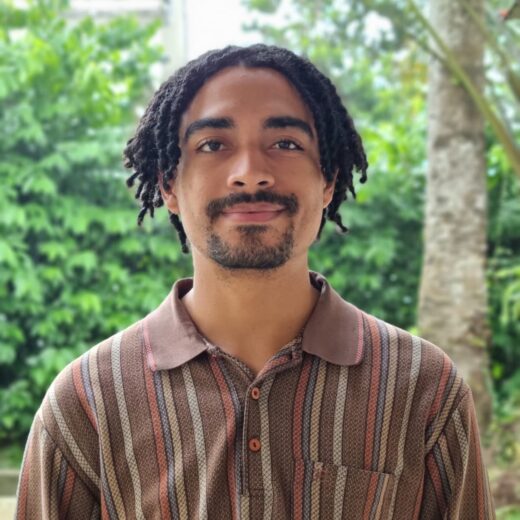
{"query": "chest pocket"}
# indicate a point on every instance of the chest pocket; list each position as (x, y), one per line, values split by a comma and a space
(322, 490)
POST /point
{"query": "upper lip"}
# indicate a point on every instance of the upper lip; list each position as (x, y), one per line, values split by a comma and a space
(254, 208)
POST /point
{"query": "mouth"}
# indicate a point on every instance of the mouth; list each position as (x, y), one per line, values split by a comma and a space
(252, 216)
(253, 212)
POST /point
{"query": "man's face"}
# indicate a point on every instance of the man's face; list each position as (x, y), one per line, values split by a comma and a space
(248, 187)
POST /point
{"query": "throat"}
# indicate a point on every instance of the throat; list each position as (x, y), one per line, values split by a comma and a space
(251, 321)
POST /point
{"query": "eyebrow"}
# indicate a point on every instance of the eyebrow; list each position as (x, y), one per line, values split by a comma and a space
(226, 122)
(289, 121)
(208, 122)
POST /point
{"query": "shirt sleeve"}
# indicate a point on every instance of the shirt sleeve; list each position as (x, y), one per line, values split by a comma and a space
(49, 487)
(456, 484)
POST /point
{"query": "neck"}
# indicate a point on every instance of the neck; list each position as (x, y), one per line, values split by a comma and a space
(251, 314)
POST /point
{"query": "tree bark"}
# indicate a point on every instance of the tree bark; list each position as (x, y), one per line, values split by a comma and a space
(453, 292)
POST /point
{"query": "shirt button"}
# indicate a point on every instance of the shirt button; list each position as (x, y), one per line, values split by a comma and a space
(255, 393)
(254, 444)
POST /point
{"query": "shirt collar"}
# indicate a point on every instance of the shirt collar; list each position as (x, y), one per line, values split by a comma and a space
(334, 331)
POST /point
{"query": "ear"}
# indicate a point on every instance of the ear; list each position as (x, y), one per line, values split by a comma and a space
(168, 195)
(328, 190)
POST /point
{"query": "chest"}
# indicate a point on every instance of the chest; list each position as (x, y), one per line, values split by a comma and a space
(303, 440)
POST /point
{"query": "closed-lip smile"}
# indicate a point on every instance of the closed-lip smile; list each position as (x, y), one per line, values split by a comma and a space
(254, 208)
(260, 212)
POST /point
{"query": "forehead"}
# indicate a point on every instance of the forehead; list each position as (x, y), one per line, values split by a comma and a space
(248, 93)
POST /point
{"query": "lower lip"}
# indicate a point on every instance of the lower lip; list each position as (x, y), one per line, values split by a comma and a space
(260, 216)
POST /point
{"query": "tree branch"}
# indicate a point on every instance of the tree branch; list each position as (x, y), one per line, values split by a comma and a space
(512, 78)
(454, 66)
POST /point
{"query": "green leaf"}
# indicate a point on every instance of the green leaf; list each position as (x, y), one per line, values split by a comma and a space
(7, 255)
(86, 260)
(7, 354)
(54, 250)
(27, 285)
(87, 302)
(13, 216)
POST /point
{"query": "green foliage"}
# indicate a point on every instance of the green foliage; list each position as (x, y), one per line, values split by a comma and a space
(373, 51)
(74, 268)
(508, 513)
(265, 6)
(504, 302)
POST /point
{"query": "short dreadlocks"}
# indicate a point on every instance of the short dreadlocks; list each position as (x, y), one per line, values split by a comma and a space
(155, 146)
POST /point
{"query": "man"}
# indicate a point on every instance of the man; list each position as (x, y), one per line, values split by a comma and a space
(254, 391)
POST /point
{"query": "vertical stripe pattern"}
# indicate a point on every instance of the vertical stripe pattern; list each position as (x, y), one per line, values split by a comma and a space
(414, 373)
(159, 452)
(266, 449)
(234, 454)
(297, 438)
(69, 439)
(354, 418)
(306, 437)
(125, 423)
(111, 484)
(338, 441)
(200, 448)
(315, 429)
(167, 436)
(173, 419)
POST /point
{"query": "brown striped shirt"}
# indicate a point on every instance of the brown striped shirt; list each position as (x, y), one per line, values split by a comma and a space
(355, 418)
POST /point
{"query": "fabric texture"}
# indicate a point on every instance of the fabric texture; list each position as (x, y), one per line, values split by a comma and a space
(353, 419)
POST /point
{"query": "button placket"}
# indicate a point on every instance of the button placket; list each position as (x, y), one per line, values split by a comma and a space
(251, 438)
(251, 432)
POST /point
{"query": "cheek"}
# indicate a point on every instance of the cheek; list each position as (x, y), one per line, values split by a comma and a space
(311, 214)
(191, 210)
(316, 203)
(188, 194)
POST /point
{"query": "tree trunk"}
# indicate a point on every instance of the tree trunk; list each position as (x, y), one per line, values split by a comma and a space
(453, 293)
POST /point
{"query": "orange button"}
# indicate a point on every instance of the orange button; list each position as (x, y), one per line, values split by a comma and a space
(255, 393)
(254, 444)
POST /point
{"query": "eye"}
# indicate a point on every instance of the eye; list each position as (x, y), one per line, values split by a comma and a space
(287, 144)
(210, 146)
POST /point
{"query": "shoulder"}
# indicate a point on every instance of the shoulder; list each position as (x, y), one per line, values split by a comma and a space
(68, 419)
(420, 371)
(69, 406)
(97, 361)
(381, 338)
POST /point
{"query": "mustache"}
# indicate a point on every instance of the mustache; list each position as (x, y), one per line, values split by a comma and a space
(217, 206)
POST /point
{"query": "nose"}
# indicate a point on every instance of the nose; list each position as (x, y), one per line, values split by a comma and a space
(250, 170)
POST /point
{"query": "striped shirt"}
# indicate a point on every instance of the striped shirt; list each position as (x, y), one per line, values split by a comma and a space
(354, 418)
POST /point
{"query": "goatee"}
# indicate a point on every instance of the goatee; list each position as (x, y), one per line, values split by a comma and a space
(251, 253)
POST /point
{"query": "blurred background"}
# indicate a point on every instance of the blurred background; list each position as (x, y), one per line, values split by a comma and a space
(434, 242)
